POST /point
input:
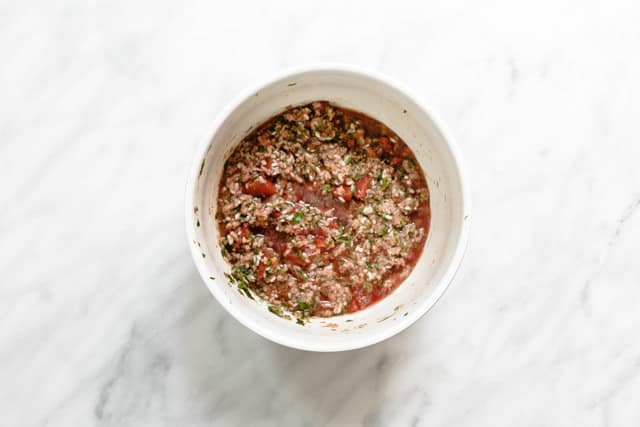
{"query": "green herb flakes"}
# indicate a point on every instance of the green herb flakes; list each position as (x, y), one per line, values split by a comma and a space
(382, 232)
(274, 310)
(298, 217)
(384, 184)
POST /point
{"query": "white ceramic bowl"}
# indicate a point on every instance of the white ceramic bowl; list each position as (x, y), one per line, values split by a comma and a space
(385, 101)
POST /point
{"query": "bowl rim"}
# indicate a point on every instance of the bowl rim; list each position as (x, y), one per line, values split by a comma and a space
(450, 270)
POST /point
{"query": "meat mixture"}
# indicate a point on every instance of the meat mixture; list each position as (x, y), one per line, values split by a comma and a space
(321, 211)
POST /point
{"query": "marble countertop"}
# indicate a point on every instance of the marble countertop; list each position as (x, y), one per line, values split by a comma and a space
(104, 320)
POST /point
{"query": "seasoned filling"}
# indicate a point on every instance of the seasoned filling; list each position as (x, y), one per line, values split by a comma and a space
(321, 211)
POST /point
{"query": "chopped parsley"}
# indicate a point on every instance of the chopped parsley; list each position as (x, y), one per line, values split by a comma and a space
(384, 184)
(382, 232)
(305, 308)
(298, 217)
(247, 292)
(273, 309)
(344, 239)
(303, 305)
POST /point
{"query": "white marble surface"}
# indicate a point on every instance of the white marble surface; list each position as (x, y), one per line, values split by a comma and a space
(105, 322)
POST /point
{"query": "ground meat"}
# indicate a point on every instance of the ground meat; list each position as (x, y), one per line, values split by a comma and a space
(321, 211)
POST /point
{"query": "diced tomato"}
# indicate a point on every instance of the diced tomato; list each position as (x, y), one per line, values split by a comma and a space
(360, 298)
(379, 292)
(347, 193)
(321, 242)
(343, 191)
(261, 268)
(404, 151)
(269, 162)
(260, 187)
(296, 259)
(265, 139)
(283, 293)
(385, 144)
(244, 231)
(362, 185)
(321, 232)
(276, 214)
(396, 161)
(277, 241)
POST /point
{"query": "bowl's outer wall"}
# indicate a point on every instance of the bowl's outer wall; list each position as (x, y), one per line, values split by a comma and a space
(435, 152)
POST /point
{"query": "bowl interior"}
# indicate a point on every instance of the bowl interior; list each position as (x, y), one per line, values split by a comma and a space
(443, 248)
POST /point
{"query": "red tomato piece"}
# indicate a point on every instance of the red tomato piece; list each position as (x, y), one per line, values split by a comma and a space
(347, 193)
(362, 185)
(244, 231)
(296, 259)
(261, 268)
(396, 161)
(343, 191)
(321, 242)
(385, 144)
(260, 187)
